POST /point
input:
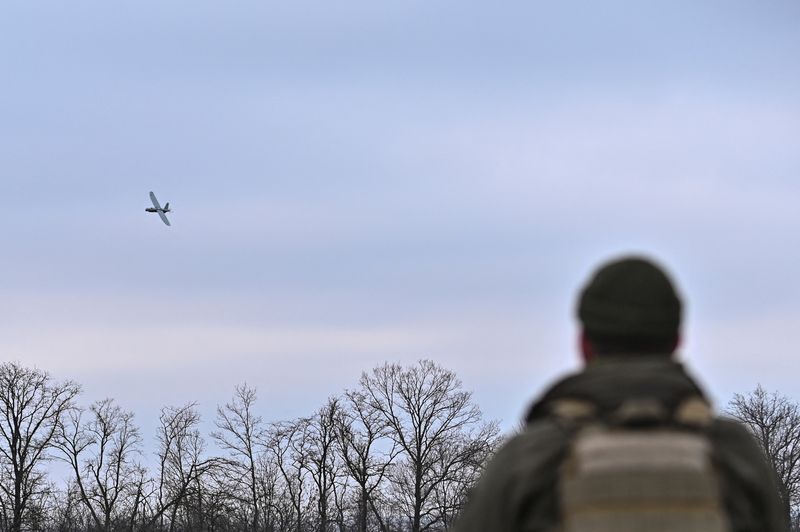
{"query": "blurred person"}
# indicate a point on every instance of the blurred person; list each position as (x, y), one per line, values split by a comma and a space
(630, 442)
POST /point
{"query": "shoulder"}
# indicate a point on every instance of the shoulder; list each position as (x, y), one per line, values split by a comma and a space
(537, 445)
(516, 491)
(525, 462)
(748, 481)
(730, 428)
(736, 446)
(741, 459)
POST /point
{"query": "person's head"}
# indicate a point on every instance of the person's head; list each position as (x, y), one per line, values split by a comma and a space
(629, 307)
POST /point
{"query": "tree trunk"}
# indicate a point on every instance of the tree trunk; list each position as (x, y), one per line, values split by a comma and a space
(415, 526)
(363, 510)
(16, 523)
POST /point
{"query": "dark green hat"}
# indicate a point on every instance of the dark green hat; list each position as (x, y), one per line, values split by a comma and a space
(630, 297)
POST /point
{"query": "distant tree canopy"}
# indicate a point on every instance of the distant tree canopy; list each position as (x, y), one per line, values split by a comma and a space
(774, 420)
(397, 453)
(33, 408)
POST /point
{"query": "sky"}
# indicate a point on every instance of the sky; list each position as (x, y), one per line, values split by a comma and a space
(360, 182)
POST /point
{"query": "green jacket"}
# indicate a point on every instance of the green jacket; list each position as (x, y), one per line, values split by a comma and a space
(517, 492)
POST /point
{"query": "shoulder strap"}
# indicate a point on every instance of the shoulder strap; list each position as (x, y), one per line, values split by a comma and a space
(640, 468)
(693, 412)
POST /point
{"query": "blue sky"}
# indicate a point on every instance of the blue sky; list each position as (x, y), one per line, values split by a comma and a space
(357, 182)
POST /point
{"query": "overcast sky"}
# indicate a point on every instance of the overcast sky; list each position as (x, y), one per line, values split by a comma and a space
(357, 182)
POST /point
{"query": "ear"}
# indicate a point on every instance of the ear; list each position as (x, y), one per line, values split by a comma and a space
(587, 349)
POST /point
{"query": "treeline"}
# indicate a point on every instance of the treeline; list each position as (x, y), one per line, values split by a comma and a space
(397, 453)
(774, 420)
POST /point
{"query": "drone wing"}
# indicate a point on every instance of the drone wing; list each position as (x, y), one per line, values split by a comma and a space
(155, 202)
(163, 217)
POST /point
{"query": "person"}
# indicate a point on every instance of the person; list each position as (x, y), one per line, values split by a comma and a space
(630, 441)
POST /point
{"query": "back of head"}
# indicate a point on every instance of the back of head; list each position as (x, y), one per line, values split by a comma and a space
(630, 306)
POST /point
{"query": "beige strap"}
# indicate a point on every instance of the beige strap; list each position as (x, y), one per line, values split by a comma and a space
(694, 412)
(572, 409)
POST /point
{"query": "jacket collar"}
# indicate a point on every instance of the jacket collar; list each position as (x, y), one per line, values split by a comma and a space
(609, 381)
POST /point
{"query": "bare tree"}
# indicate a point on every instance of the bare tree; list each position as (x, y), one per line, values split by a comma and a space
(289, 443)
(240, 433)
(268, 477)
(459, 464)
(180, 466)
(399, 453)
(425, 409)
(341, 494)
(33, 404)
(322, 464)
(67, 512)
(775, 422)
(101, 453)
(361, 429)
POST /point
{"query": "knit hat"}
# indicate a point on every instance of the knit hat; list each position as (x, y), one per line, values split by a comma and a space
(630, 297)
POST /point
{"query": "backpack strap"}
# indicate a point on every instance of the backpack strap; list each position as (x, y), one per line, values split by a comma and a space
(693, 412)
(640, 412)
(572, 411)
(641, 467)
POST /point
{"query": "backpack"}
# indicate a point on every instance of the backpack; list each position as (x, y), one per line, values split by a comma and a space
(640, 469)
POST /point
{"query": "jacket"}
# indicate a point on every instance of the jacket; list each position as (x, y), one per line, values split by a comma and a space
(518, 490)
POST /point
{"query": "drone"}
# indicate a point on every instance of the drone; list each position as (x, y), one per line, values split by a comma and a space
(159, 209)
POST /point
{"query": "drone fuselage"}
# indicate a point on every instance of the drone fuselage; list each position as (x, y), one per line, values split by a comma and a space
(157, 208)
